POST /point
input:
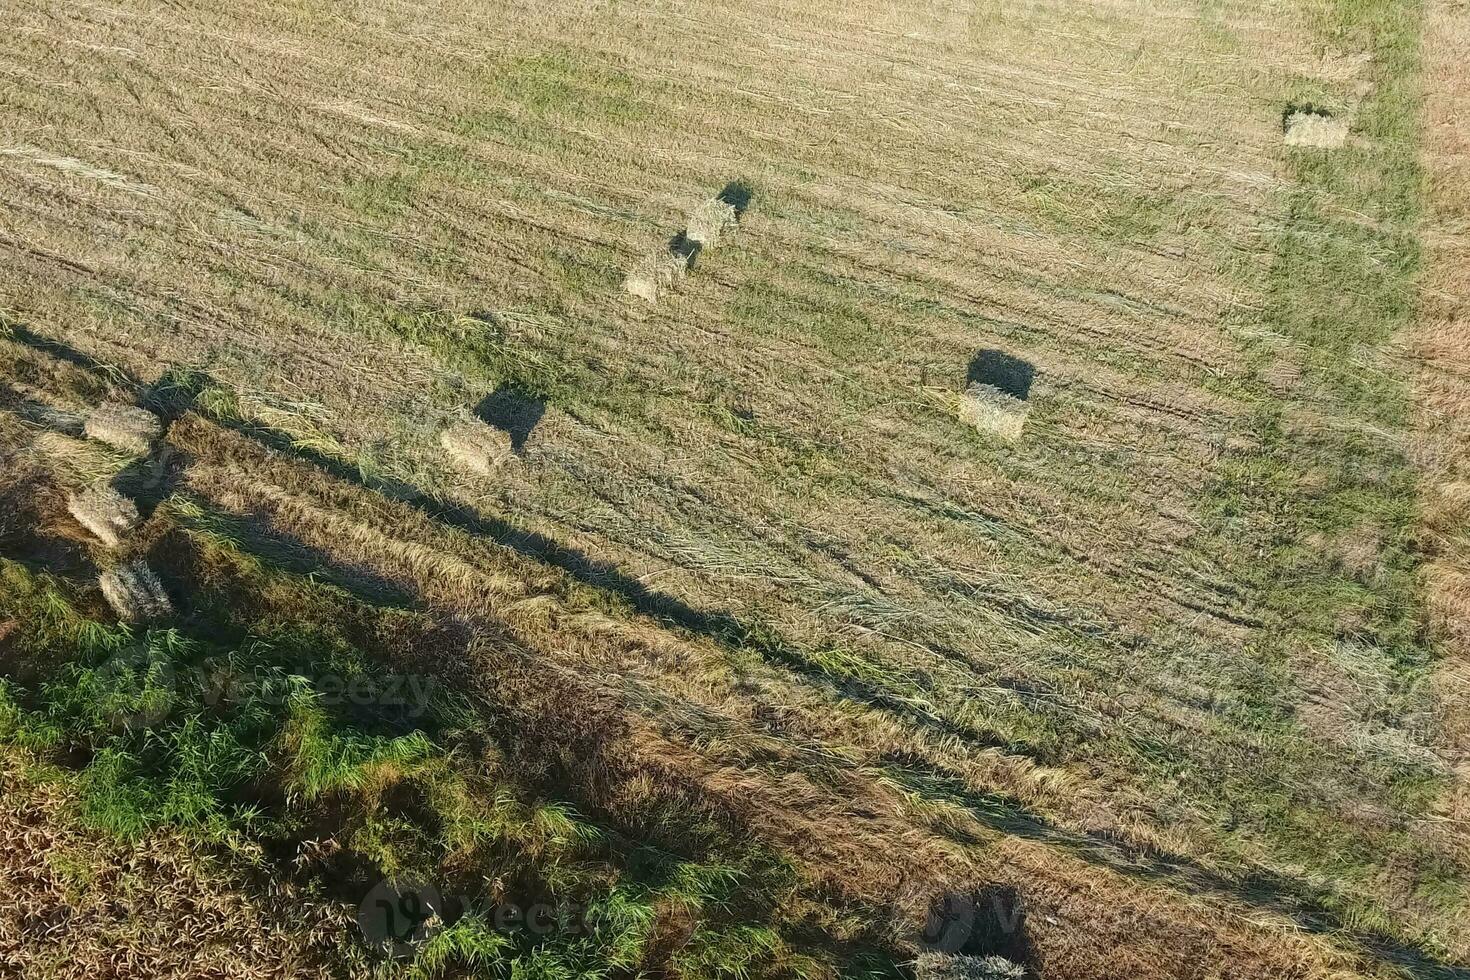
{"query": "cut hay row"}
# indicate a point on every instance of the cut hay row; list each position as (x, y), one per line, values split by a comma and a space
(103, 511)
(83, 462)
(135, 593)
(72, 165)
(126, 427)
(475, 446)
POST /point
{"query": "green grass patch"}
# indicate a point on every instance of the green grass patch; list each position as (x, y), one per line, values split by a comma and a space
(1322, 477)
(269, 717)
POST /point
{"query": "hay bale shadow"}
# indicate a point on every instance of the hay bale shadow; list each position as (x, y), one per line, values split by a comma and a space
(46, 416)
(1000, 925)
(1003, 372)
(683, 247)
(174, 393)
(58, 349)
(737, 194)
(987, 921)
(151, 479)
(512, 412)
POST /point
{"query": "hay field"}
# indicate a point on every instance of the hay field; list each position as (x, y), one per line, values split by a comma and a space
(1162, 672)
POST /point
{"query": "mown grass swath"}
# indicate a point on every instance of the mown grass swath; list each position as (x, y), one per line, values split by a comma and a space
(750, 635)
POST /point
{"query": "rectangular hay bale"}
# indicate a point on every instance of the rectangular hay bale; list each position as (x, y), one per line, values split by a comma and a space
(656, 273)
(1315, 130)
(710, 222)
(992, 411)
(475, 446)
(103, 511)
(126, 427)
(135, 593)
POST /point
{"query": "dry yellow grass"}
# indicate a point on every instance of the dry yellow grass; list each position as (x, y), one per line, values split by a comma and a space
(1027, 660)
(1443, 343)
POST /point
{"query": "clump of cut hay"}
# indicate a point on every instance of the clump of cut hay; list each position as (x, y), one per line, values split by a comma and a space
(72, 165)
(124, 427)
(1315, 129)
(135, 593)
(642, 283)
(991, 410)
(709, 222)
(477, 447)
(82, 462)
(55, 419)
(658, 272)
(942, 966)
(103, 511)
(1396, 747)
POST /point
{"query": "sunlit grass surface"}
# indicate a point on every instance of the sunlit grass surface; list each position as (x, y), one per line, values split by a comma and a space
(1168, 652)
